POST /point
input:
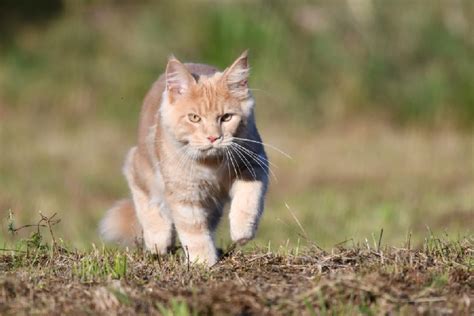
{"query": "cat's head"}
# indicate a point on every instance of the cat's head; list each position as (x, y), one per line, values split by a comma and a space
(204, 113)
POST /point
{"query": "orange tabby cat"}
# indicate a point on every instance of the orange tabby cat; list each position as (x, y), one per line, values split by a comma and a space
(198, 148)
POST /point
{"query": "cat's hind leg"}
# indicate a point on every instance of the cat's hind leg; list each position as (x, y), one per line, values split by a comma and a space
(157, 227)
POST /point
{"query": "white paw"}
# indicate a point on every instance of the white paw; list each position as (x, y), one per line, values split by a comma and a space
(208, 258)
(157, 243)
(242, 235)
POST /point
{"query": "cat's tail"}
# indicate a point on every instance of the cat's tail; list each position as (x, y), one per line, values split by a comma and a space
(120, 223)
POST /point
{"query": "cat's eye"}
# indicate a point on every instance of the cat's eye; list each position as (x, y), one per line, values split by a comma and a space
(194, 118)
(226, 117)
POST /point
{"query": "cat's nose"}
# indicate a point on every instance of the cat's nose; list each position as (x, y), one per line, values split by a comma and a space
(212, 138)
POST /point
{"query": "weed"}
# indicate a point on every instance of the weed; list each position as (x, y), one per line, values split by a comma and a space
(95, 267)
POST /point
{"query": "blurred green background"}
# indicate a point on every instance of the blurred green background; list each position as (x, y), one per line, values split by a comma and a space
(374, 100)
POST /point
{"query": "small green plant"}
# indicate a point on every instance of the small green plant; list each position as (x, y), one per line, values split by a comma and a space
(176, 307)
(121, 296)
(11, 222)
(97, 267)
(36, 241)
(440, 280)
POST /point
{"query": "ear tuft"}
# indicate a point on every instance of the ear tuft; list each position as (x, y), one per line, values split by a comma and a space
(236, 76)
(178, 78)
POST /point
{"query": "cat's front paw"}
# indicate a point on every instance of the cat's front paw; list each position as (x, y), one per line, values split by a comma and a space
(207, 257)
(242, 241)
(243, 224)
(157, 243)
(242, 235)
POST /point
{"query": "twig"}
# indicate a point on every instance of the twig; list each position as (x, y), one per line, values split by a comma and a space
(343, 242)
(14, 230)
(15, 250)
(427, 300)
(187, 258)
(312, 242)
(230, 251)
(50, 223)
(297, 220)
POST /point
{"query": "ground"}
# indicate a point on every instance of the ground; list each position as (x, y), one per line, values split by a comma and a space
(369, 279)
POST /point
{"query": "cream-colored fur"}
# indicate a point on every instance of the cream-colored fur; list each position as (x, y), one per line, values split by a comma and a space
(198, 149)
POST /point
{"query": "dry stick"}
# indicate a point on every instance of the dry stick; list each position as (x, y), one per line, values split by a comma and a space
(305, 234)
(27, 226)
(15, 250)
(312, 242)
(409, 241)
(427, 300)
(343, 242)
(230, 251)
(296, 220)
(187, 257)
(138, 243)
(50, 224)
(38, 225)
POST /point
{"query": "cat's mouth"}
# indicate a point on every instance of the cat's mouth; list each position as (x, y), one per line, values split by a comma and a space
(210, 151)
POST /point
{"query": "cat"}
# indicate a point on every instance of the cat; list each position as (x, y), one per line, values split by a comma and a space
(198, 149)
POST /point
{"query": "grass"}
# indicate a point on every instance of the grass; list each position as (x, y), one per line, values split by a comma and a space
(363, 279)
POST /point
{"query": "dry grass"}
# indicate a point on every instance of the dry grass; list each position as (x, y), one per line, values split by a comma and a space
(365, 279)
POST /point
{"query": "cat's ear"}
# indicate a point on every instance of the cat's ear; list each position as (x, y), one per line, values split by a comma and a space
(236, 76)
(178, 78)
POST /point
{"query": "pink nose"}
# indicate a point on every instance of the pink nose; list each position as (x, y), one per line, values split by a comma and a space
(212, 138)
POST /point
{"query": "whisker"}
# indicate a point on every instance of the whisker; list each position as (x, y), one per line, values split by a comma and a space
(232, 161)
(259, 160)
(264, 166)
(236, 163)
(228, 166)
(245, 162)
(263, 159)
(265, 144)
